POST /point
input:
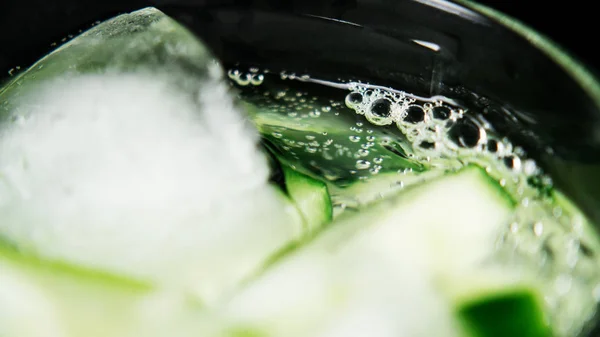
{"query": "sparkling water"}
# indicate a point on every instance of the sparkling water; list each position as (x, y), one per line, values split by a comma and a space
(347, 133)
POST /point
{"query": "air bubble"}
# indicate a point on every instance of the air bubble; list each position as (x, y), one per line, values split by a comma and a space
(370, 138)
(427, 145)
(363, 164)
(354, 139)
(378, 160)
(512, 162)
(465, 133)
(381, 108)
(310, 149)
(363, 152)
(414, 114)
(257, 79)
(529, 167)
(354, 99)
(538, 228)
(441, 112)
(314, 113)
(327, 155)
(243, 80)
(276, 134)
(326, 109)
(493, 146)
(233, 74)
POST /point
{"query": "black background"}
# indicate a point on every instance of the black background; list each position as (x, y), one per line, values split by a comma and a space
(573, 24)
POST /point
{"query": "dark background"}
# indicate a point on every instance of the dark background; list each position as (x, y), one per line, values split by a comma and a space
(573, 24)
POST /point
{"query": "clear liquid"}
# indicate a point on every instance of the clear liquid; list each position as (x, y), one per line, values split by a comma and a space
(368, 142)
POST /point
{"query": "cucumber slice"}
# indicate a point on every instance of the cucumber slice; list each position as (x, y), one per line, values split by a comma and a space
(506, 313)
(311, 196)
(362, 193)
(329, 143)
(38, 299)
(378, 270)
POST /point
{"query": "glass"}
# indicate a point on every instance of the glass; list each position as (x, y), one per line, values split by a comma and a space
(485, 58)
(523, 84)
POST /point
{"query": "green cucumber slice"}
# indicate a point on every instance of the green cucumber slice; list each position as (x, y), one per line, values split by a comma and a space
(40, 299)
(361, 193)
(380, 267)
(328, 142)
(311, 196)
(505, 313)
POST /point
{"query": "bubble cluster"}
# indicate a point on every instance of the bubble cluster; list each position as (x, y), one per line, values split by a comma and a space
(440, 133)
(541, 236)
(252, 77)
(373, 132)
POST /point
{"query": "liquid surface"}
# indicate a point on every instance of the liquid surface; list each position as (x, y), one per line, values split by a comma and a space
(367, 142)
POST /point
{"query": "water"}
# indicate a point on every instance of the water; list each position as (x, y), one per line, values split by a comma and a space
(366, 134)
(365, 141)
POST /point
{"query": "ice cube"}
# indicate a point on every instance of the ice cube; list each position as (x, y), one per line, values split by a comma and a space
(124, 151)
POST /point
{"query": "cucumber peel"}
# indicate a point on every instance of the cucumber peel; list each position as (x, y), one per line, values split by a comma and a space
(325, 145)
(507, 313)
(78, 302)
(389, 251)
(311, 196)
